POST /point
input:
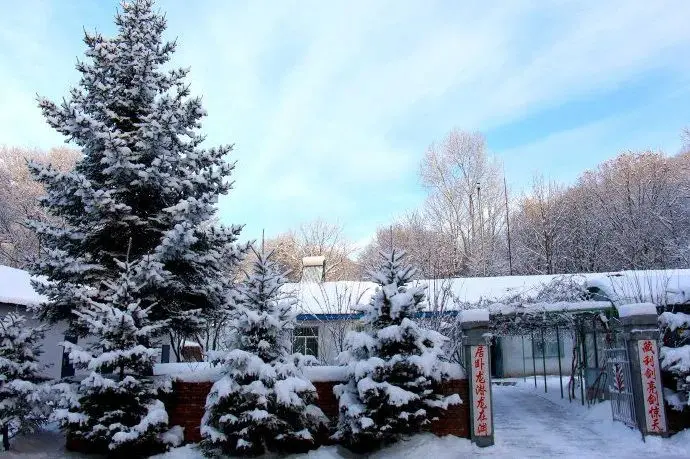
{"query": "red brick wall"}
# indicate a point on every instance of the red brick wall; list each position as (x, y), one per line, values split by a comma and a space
(456, 419)
(327, 400)
(186, 407)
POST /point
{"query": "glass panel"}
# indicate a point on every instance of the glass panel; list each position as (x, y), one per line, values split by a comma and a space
(550, 347)
(299, 345)
(312, 346)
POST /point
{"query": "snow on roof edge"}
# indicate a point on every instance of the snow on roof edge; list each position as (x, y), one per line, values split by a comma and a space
(16, 288)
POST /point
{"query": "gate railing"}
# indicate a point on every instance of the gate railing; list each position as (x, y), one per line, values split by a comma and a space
(620, 386)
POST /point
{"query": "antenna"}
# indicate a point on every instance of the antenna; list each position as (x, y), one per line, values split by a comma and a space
(510, 251)
(263, 240)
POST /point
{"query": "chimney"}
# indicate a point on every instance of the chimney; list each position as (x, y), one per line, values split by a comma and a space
(313, 269)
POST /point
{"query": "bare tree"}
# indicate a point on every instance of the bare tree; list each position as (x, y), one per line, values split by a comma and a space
(427, 249)
(316, 238)
(642, 199)
(539, 229)
(465, 200)
(19, 195)
(631, 212)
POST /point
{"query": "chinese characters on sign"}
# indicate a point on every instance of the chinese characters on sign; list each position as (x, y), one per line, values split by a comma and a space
(651, 384)
(481, 390)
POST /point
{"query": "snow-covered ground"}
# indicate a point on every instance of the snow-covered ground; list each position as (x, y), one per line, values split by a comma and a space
(529, 424)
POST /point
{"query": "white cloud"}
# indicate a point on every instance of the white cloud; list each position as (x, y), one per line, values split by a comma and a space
(313, 92)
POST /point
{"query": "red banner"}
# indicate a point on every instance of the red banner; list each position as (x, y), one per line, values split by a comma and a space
(655, 415)
(481, 391)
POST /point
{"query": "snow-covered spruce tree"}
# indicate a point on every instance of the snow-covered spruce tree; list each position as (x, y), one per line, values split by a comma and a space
(262, 403)
(22, 404)
(395, 369)
(115, 409)
(143, 177)
(144, 191)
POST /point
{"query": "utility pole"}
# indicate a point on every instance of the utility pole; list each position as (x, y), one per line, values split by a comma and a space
(510, 251)
(481, 225)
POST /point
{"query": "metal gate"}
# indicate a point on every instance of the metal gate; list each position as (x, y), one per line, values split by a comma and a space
(620, 386)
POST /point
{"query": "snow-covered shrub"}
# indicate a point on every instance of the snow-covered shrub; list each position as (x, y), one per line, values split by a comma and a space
(395, 369)
(675, 356)
(263, 402)
(22, 403)
(115, 409)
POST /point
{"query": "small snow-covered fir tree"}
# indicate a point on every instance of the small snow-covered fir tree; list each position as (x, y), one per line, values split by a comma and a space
(262, 403)
(115, 409)
(394, 369)
(22, 405)
(143, 176)
(675, 358)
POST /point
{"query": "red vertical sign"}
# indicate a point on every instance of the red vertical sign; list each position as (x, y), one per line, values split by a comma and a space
(481, 390)
(655, 416)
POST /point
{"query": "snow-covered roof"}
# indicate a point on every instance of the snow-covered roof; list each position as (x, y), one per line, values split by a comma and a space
(660, 287)
(15, 288)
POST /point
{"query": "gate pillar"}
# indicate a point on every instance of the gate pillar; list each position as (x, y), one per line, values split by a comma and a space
(475, 327)
(641, 334)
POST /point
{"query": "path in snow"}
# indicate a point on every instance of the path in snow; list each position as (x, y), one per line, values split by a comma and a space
(532, 424)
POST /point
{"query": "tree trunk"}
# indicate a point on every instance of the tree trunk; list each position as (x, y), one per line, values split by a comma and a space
(6, 437)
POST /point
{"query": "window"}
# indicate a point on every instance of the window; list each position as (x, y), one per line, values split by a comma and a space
(359, 327)
(549, 348)
(306, 341)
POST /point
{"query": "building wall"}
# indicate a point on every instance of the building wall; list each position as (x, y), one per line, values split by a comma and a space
(51, 359)
(514, 365)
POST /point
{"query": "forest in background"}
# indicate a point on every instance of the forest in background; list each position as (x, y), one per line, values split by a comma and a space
(629, 212)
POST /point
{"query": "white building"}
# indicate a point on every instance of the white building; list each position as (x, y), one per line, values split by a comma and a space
(328, 310)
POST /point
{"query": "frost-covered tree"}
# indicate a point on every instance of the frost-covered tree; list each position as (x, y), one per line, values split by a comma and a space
(465, 201)
(395, 369)
(263, 403)
(22, 404)
(143, 176)
(115, 409)
(19, 194)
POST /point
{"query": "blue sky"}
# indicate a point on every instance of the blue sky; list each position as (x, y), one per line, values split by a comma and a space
(331, 104)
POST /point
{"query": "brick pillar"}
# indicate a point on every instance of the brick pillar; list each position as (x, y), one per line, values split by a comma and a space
(475, 327)
(641, 333)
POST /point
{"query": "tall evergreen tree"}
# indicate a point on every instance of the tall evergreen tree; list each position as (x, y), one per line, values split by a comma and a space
(263, 402)
(143, 178)
(395, 367)
(138, 248)
(22, 407)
